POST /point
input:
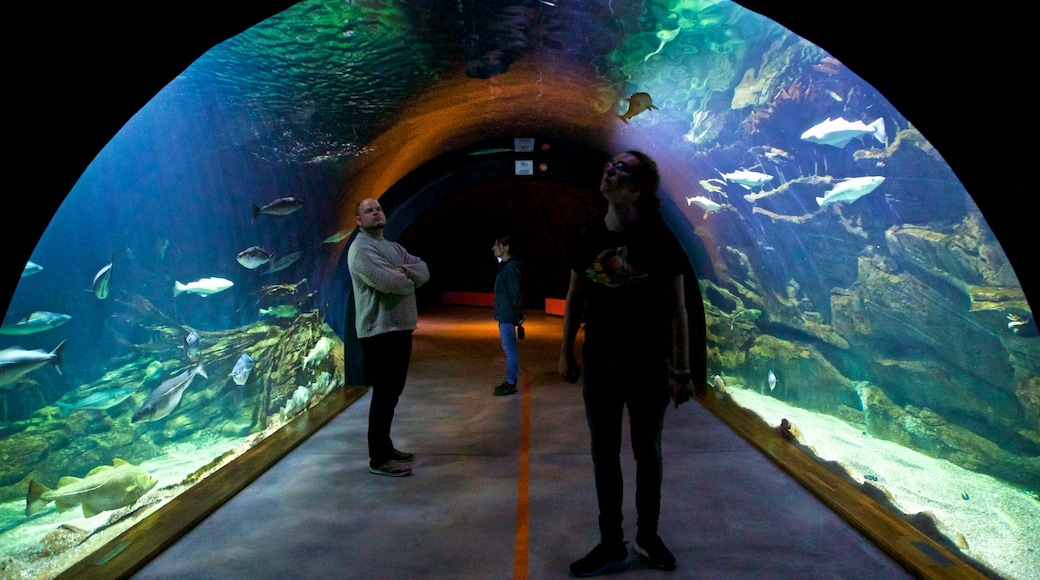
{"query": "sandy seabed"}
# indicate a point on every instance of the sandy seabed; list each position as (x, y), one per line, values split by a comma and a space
(999, 523)
(20, 537)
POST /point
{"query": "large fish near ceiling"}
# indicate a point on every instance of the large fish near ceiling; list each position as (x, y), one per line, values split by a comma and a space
(36, 322)
(851, 189)
(165, 398)
(16, 362)
(637, 103)
(106, 487)
(839, 132)
(281, 206)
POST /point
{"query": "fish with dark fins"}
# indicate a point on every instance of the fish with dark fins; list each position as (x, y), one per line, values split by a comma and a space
(637, 103)
(281, 207)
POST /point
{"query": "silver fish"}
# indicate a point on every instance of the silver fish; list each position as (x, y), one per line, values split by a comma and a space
(244, 366)
(31, 268)
(35, 322)
(99, 400)
(253, 257)
(192, 345)
(165, 398)
(747, 178)
(772, 380)
(102, 280)
(107, 487)
(280, 206)
(16, 363)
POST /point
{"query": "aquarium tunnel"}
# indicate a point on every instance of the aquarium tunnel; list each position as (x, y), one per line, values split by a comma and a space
(854, 219)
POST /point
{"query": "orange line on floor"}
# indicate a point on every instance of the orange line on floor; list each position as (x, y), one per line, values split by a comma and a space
(523, 512)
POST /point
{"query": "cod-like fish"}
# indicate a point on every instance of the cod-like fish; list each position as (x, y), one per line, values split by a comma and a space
(165, 398)
(747, 178)
(321, 349)
(839, 132)
(203, 286)
(107, 487)
(851, 189)
(16, 363)
(35, 322)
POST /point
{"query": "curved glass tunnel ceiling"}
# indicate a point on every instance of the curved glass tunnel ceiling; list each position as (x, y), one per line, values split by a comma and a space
(833, 245)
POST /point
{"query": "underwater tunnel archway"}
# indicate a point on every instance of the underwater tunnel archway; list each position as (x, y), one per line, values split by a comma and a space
(848, 288)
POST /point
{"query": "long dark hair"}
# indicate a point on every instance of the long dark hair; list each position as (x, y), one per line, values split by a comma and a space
(647, 179)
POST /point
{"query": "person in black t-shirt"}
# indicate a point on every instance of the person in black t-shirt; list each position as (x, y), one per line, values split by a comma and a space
(626, 285)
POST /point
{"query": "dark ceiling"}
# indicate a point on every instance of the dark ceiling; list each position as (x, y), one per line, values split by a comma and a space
(958, 72)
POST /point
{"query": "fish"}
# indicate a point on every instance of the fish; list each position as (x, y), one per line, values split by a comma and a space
(839, 132)
(35, 322)
(280, 311)
(340, 235)
(321, 349)
(637, 103)
(851, 189)
(102, 281)
(281, 206)
(16, 363)
(165, 398)
(105, 488)
(704, 203)
(772, 153)
(152, 372)
(244, 366)
(283, 262)
(191, 345)
(203, 286)
(772, 380)
(99, 400)
(253, 257)
(1015, 322)
(718, 383)
(31, 268)
(747, 178)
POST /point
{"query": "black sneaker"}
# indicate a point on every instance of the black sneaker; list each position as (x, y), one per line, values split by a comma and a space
(505, 389)
(401, 456)
(602, 559)
(391, 469)
(654, 550)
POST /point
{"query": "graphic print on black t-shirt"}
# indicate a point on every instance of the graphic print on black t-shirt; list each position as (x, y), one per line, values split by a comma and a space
(613, 268)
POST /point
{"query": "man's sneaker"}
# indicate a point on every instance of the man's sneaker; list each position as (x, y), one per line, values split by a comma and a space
(505, 389)
(401, 456)
(654, 550)
(391, 468)
(602, 559)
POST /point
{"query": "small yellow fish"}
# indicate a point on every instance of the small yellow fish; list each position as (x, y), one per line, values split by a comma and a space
(637, 103)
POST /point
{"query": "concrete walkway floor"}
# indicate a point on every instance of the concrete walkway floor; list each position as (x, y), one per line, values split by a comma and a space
(502, 487)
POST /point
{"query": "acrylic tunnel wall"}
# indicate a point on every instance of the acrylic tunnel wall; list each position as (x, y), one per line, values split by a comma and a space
(191, 288)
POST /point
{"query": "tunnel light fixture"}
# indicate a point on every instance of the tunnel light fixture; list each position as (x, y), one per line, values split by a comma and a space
(523, 144)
